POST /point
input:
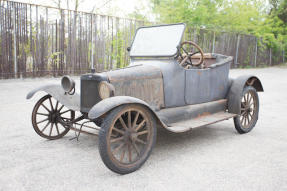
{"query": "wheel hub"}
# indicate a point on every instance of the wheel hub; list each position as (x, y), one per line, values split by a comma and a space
(130, 135)
(53, 117)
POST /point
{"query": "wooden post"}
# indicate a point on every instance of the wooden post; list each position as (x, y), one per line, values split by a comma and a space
(112, 46)
(92, 44)
(37, 43)
(96, 38)
(237, 48)
(47, 44)
(255, 56)
(15, 41)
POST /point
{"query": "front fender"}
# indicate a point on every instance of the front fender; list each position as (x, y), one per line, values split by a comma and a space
(236, 89)
(56, 91)
(108, 104)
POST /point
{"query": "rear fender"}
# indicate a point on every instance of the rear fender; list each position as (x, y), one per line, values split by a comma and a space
(56, 91)
(236, 89)
(108, 104)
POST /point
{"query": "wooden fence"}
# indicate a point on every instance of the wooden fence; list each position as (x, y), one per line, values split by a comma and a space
(38, 41)
(247, 50)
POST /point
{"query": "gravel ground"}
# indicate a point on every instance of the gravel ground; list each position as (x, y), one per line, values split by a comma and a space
(215, 157)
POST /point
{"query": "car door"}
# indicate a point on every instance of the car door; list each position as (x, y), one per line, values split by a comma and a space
(205, 85)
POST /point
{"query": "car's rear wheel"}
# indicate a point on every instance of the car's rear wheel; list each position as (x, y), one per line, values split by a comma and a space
(46, 116)
(246, 121)
(126, 138)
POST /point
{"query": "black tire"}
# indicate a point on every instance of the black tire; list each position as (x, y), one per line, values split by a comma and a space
(242, 122)
(106, 136)
(50, 123)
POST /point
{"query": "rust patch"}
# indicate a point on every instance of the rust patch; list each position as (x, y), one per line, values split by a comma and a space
(204, 114)
(198, 72)
(143, 82)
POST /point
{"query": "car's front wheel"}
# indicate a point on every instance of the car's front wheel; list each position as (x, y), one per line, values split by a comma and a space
(248, 117)
(46, 117)
(126, 138)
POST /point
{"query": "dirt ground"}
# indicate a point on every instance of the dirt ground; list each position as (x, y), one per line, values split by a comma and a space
(215, 157)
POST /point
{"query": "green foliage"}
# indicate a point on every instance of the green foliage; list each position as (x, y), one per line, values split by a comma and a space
(55, 58)
(256, 17)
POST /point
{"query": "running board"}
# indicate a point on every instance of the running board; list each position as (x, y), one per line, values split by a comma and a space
(187, 125)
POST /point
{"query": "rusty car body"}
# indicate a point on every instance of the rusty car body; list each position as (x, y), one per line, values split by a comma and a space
(164, 86)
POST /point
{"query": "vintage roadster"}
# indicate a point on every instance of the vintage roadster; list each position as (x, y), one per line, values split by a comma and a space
(166, 85)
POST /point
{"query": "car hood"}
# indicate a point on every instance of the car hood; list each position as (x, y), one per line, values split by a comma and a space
(141, 81)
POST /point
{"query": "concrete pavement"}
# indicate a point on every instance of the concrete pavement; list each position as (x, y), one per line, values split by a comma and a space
(215, 157)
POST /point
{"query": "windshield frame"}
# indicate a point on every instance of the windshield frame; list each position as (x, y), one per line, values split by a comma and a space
(164, 56)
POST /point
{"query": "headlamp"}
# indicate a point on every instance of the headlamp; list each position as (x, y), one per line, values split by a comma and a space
(68, 84)
(106, 90)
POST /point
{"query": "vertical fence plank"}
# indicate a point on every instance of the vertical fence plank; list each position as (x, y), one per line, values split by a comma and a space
(15, 40)
(236, 53)
(255, 54)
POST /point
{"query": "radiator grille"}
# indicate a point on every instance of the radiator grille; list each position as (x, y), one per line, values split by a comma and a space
(89, 94)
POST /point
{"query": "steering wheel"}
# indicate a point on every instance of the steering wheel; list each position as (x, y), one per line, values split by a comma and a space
(185, 60)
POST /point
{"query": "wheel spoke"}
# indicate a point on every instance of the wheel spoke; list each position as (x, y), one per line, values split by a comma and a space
(51, 104)
(57, 129)
(244, 97)
(113, 136)
(118, 148)
(142, 132)
(43, 114)
(56, 105)
(135, 119)
(140, 141)
(130, 153)
(118, 130)
(242, 119)
(136, 148)
(65, 111)
(123, 155)
(66, 127)
(46, 126)
(140, 125)
(245, 120)
(61, 108)
(129, 120)
(251, 116)
(45, 107)
(244, 112)
(123, 123)
(248, 120)
(250, 98)
(117, 139)
(43, 120)
(52, 125)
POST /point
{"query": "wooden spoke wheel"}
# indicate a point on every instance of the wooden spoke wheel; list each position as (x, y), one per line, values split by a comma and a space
(249, 111)
(46, 116)
(127, 136)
